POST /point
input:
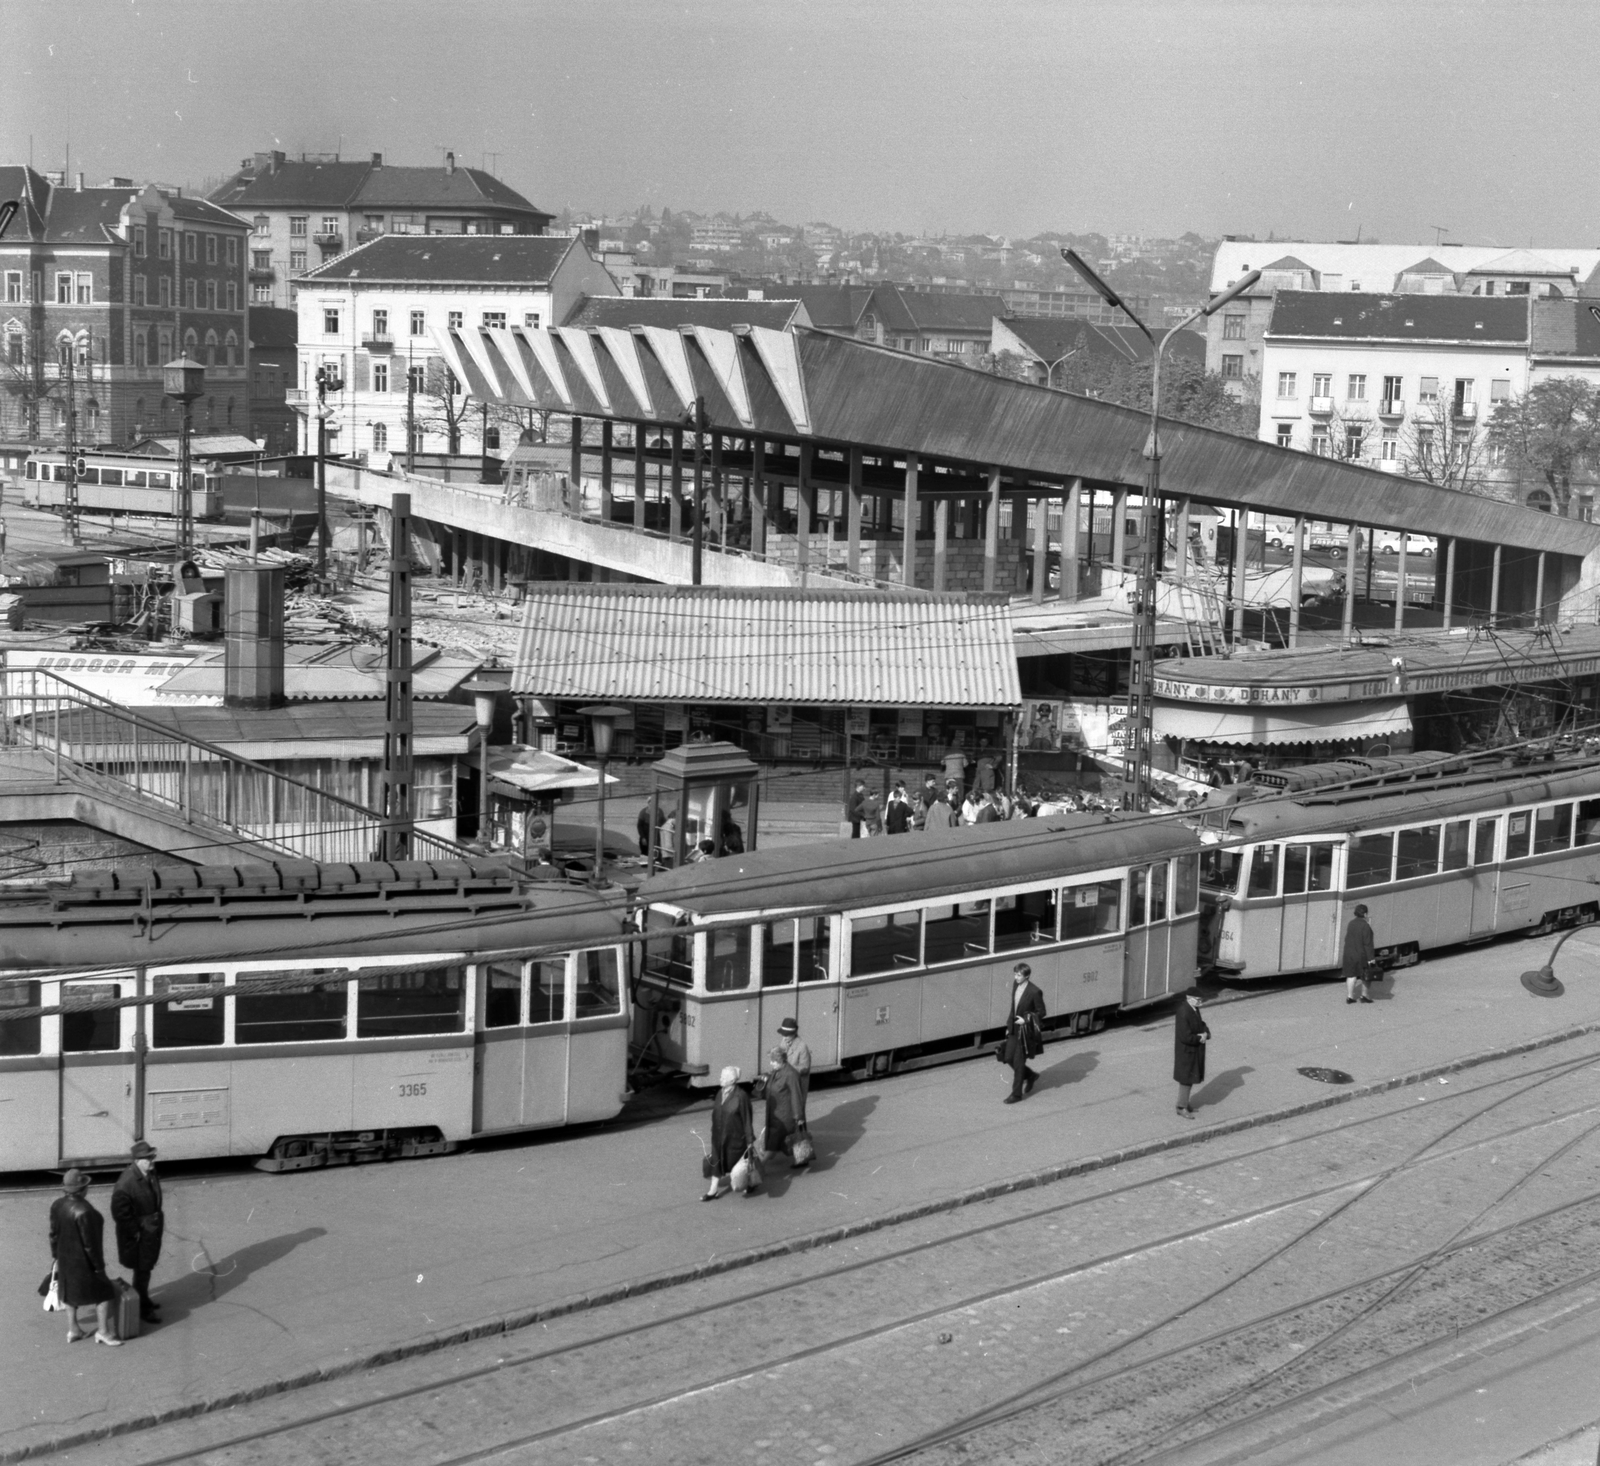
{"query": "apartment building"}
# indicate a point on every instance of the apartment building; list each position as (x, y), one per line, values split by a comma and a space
(304, 212)
(373, 314)
(933, 323)
(1234, 335)
(99, 287)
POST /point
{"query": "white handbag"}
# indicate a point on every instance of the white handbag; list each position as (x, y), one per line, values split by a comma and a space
(52, 1297)
(746, 1174)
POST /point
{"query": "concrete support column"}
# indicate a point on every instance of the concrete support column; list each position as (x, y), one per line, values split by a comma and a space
(1119, 530)
(1449, 583)
(1400, 589)
(1241, 562)
(605, 472)
(1181, 559)
(1538, 590)
(1352, 555)
(941, 541)
(1071, 517)
(1041, 547)
(805, 504)
(991, 531)
(970, 521)
(853, 525)
(1019, 518)
(675, 511)
(718, 491)
(638, 475)
(576, 475)
(458, 556)
(908, 527)
(758, 496)
(1297, 579)
(1494, 589)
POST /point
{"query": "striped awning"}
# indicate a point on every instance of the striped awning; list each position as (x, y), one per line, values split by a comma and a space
(1315, 724)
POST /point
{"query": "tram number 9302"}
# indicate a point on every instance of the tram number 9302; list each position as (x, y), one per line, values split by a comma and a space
(414, 1091)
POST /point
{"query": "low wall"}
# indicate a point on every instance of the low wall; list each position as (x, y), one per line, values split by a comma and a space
(881, 560)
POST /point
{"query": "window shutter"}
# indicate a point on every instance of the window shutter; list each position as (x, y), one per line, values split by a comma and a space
(363, 375)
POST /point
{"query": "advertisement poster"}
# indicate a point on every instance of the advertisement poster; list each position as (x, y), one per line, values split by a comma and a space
(910, 723)
(780, 717)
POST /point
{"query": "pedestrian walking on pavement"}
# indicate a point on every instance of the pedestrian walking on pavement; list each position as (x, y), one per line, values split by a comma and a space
(732, 1132)
(897, 816)
(1189, 1049)
(798, 1052)
(137, 1214)
(853, 808)
(1024, 1038)
(77, 1233)
(1360, 957)
(786, 1107)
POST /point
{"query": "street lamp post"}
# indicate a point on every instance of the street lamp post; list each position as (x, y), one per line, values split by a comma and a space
(184, 381)
(1542, 982)
(484, 693)
(1136, 764)
(1050, 366)
(602, 723)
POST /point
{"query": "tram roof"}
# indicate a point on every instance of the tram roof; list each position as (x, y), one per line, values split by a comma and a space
(1343, 811)
(846, 873)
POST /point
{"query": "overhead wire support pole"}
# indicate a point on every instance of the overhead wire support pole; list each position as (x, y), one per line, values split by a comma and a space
(397, 724)
(1137, 760)
(699, 419)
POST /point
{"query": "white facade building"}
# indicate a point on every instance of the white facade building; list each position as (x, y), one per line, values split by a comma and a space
(372, 315)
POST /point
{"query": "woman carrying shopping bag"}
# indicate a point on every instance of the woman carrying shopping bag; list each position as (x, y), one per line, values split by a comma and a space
(732, 1135)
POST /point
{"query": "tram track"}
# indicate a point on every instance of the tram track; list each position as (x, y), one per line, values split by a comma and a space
(1356, 1185)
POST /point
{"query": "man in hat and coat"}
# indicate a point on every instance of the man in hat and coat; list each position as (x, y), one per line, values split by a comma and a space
(77, 1234)
(1024, 1040)
(1360, 953)
(1189, 1049)
(798, 1053)
(140, 1222)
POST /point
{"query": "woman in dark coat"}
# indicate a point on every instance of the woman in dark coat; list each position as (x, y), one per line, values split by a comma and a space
(732, 1131)
(1189, 1050)
(77, 1244)
(1360, 953)
(786, 1105)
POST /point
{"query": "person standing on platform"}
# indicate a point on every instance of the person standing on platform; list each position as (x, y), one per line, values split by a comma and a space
(786, 1106)
(941, 815)
(77, 1233)
(853, 807)
(1024, 1038)
(930, 789)
(897, 816)
(1189, 1049)
(139, 1220)
(732, 1132)
(798, 1052)
(871, 814)
(984, 771)
(955, 767)
(1360, 955)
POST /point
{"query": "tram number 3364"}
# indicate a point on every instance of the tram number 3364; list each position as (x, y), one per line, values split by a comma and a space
(414, 1091)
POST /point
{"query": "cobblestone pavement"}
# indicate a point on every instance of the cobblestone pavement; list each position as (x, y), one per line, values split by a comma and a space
(1189, 1306)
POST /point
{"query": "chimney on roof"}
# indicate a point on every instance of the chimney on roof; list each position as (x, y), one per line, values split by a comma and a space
(377, 160)
(252, 655)
(78, 187)
(449, 163)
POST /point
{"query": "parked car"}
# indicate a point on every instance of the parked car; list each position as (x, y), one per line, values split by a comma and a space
(1416, 544)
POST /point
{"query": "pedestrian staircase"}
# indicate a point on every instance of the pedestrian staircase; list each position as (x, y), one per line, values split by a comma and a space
(1199, 606)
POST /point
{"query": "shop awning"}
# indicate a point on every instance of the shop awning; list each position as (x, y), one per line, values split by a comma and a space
(1333, 724)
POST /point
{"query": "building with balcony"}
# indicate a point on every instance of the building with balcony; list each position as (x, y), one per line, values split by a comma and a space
(1234, 335)
(375, 313)
(304, 212)
(99, 286)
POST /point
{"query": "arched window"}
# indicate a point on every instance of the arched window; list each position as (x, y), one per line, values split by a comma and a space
(380, 437)
(231, 354)
(138, 416)
(191, 344)
(211, 348)
(141, 349)
(491, 439)
(230, 406)
(211, 411)
(1539, 499)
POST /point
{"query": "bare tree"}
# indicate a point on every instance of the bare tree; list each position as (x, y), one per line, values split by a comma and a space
(441, 406)
(1438, 450)
(25, 383)
(1550, 435)
(1347, 436)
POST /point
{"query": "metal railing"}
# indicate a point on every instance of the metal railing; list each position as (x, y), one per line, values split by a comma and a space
(89, 736)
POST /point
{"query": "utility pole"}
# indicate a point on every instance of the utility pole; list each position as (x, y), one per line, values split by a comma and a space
(699, 420)
(397, 741)
(328, 380)
(70, 495)
(411, 414)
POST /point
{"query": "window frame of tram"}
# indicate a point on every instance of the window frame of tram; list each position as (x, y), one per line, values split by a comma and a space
(20, 1037)
(550, 990)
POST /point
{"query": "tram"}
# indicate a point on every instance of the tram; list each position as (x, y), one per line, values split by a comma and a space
(119, 483)
(894, 963)
(304, 1014)
(1439, 855)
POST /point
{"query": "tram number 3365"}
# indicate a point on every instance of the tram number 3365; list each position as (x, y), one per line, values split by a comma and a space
(414, 1091)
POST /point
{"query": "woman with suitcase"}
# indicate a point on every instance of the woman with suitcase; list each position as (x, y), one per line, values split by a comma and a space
(77, 1233)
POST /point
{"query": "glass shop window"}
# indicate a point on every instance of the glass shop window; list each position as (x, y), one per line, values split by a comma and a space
(889, 942)
(1417, 853)
(391, 1004)
(547, 990)
(1552, 828)
(19, 1035)
(1371, 860)
(727, 959)
(1092, 910)
(1024, 920)
(191, 1015)
(1519, 833)
(502, 994)
(303, 1011)
(598, 992)
(952, 933)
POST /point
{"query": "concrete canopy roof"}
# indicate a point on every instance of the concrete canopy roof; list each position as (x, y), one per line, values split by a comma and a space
(811, 386)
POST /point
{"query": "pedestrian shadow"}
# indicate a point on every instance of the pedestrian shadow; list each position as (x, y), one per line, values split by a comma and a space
(1222, 1086)
(209, 1281)
(1070, 1071)
(843, 1126)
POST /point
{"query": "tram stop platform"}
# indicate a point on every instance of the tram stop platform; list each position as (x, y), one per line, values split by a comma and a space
(266, 1281)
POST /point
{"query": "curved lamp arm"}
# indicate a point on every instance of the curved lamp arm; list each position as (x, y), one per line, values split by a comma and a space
(1542, 982)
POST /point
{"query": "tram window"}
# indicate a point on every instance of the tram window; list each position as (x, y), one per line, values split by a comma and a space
(1483, 842)
(811, 948)
(1090, 911)
(1137, 881)
(133, 477)
(1294, 869)
(1519, 832)
(598, 992)
(666, 953)
(955, 932)
(111, 476)
(1321, 867)
(547, 990)
(1371, 861)
(191, 1016)
(1158, 891)
(1589, 822)
(299, 1014)
(888, 942)
(18, 1035)
(1264, 871)
(1185, 885)
(777, 954)
(1219, 869)
(89, 476)
(391, 1004)
(502, 997)
(727, 959)
(1552, 828)
(160, 480)
(1457, 845)
(1417, 853)
(94, 1031)
(1024, 919)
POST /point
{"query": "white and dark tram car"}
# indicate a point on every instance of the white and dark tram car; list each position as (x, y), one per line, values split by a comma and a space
(1439, 854)
(119, 483)
(891, 955)
(302, 1013)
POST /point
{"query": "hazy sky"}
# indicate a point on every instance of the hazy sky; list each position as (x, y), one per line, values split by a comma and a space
(1309, 119)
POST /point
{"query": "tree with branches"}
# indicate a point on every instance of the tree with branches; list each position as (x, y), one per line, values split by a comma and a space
(441, 406)
(23, 380)
(1189, 393)
(1550, 436)
(1438, 451)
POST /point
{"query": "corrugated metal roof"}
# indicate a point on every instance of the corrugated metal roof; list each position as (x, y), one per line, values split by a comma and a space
(652, 643)
(327, 673)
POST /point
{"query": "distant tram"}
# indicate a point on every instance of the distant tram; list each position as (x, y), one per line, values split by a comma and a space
(119, 483)
(1439, 854)
(333, 1061)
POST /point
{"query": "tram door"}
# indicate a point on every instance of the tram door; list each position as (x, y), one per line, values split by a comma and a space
(1149, 937)
(97, 1072)
(1485, 877)
(795, 983)
(1309, 939)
